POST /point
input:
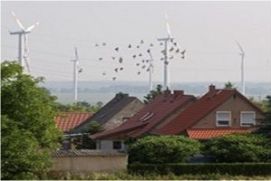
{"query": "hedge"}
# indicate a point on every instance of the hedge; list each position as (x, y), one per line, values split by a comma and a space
(210, 168)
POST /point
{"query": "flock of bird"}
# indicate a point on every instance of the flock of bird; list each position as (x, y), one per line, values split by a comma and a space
(141, 55)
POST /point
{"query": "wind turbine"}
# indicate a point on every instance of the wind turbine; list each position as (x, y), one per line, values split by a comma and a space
(23, 50)
(166, 40)
(76, 71)
(242, 54)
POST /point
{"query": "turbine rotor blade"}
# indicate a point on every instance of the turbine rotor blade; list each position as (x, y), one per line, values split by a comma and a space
(240, 47)
(167, 25)
(30, 28)
(18, 21)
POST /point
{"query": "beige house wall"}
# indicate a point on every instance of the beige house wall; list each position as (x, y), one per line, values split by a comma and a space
(129, 110)
(90, 163)
(235, 106)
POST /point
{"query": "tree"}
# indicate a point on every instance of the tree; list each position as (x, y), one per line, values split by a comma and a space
(29, 134)
(266, 126)
(162, 149)
(153, 93)
(81, 106)
(239, 148)
(229, 85)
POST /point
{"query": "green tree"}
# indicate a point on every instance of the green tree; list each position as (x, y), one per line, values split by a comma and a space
(81, 106)
(266, 126)
(162, 149)
(29, 135)
(239, 148)
(229, 85)
(153, 93)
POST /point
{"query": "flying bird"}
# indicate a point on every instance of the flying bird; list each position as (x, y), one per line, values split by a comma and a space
(121, 68)
(183, 52)
(117, 49)
(113, 58)
(137, 64)
(161, 43)
(104, 73)
(80, 70)
(171, 49)
(148, 50)
(171, 57)
(114, 78)
(148, 69)
(120, 60)
(96, 45)
(178, 50)
(141, 41)
(100, 58)
(166, 62)
(134, 56)
(137, 46)
(151, 45)
(104, 44)
(143, 61)
(116, 69)
(140, 55)
(129, 46)
(175, 44)
(144, 66)
(138, 73)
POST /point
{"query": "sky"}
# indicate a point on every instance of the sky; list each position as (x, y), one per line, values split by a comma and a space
(206, 30)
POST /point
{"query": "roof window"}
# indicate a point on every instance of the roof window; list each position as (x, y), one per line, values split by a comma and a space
(146, 116)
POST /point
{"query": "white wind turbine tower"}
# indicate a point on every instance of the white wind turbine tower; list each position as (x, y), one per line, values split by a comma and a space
(76, 71)
(23, 50)
(166, 41)
(242, 54)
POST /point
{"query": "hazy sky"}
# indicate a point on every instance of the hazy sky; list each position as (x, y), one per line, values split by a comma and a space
(207, 30)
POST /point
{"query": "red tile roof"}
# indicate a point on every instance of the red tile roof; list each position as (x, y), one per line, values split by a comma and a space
(202, 134)
(66, 121)
(149, 116)
(201, 108)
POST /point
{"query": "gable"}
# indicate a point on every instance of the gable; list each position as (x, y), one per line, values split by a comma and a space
(235, 104)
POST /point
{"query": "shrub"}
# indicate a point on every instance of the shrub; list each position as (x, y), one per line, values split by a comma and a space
(239, 148)
(210, 168)
(163, 149)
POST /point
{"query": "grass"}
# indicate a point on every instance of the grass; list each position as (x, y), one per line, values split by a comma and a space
(123, 175)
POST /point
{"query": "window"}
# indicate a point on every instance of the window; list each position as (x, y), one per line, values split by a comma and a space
(248, 118)
(116, 145)
(223, 118)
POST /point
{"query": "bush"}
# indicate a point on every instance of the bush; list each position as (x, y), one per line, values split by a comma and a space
(239, 148)
(210, 168)
(162, 149)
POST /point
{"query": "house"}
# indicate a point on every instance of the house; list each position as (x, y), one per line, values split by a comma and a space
(66, 121)
(114, 113)
(158, 112)
(217, 113)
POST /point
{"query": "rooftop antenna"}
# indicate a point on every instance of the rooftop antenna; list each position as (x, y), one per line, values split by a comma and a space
(242, 54)
(166, 41)
(76, 71)
(150, 71)
(23, 50)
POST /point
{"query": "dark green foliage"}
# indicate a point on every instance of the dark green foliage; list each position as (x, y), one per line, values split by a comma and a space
(239, 148)
(80, 106)
(28, 132)
(266, 126)
(94, 127)
(211, 168)
(150, 96)
(162, 149)
(229, 85)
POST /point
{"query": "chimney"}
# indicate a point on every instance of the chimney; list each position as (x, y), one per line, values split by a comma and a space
(211, 88)
(178, 93)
